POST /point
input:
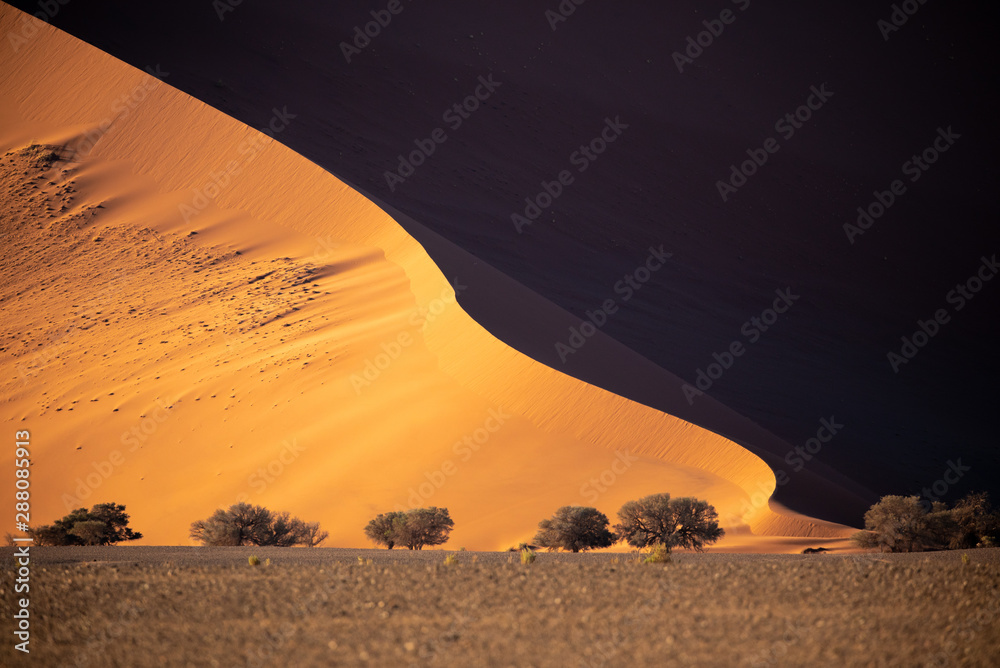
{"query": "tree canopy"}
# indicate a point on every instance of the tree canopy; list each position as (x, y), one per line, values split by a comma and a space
(245, 524)
(104, 524)
(412, 529)
(574, 528)
(906, 524)
(659, 520)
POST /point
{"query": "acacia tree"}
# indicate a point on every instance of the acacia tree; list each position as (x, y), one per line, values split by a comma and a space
(895, 524)
(659, 520)
(312, 535)
(904, 524)
(977, 522)
(90, 532)
(383, 530)
(116, 523)
(425, 526)
(412, 529)
(244, 524)
(574, 528)
(104, 524)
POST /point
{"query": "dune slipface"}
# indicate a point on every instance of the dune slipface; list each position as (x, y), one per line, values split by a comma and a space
(196, 315)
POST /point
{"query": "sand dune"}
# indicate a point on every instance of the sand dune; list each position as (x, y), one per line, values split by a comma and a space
(194, 314)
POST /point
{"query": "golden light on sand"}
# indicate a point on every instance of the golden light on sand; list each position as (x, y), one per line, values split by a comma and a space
(194, 315)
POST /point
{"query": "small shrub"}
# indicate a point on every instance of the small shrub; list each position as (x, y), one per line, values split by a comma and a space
(965, 559)
(528, 557)
(658, 555)
(254, 560)
(450, 560)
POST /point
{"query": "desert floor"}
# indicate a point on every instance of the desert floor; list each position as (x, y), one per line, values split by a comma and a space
(151, 606)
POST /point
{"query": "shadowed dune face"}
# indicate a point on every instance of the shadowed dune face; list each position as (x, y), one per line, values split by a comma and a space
(656, 184)
(196, 315)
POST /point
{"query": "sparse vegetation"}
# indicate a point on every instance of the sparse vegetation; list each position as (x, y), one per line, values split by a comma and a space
(977, 522)
(660, 554)
(659, 520)
(575, 528)
(909, 524)
(413, 529)
(451, 560)
(44, 154)
(528, 557)
(245, 524)
(104, 524)
(469, 611)
(254, 560)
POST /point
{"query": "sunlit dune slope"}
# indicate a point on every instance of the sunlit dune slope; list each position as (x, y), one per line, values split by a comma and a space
(195, 315)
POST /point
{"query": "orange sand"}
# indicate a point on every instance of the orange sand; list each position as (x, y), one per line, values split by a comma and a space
(149, 359)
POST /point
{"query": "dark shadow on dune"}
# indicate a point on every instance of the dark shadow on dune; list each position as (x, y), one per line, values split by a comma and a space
(884, 101)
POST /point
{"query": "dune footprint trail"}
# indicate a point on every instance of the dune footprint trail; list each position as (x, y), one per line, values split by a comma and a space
(195, 315)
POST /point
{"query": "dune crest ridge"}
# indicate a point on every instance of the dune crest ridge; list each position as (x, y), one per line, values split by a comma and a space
(216, 318)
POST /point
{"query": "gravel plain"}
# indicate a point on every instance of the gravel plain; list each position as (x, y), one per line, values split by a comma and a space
(196, 606)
